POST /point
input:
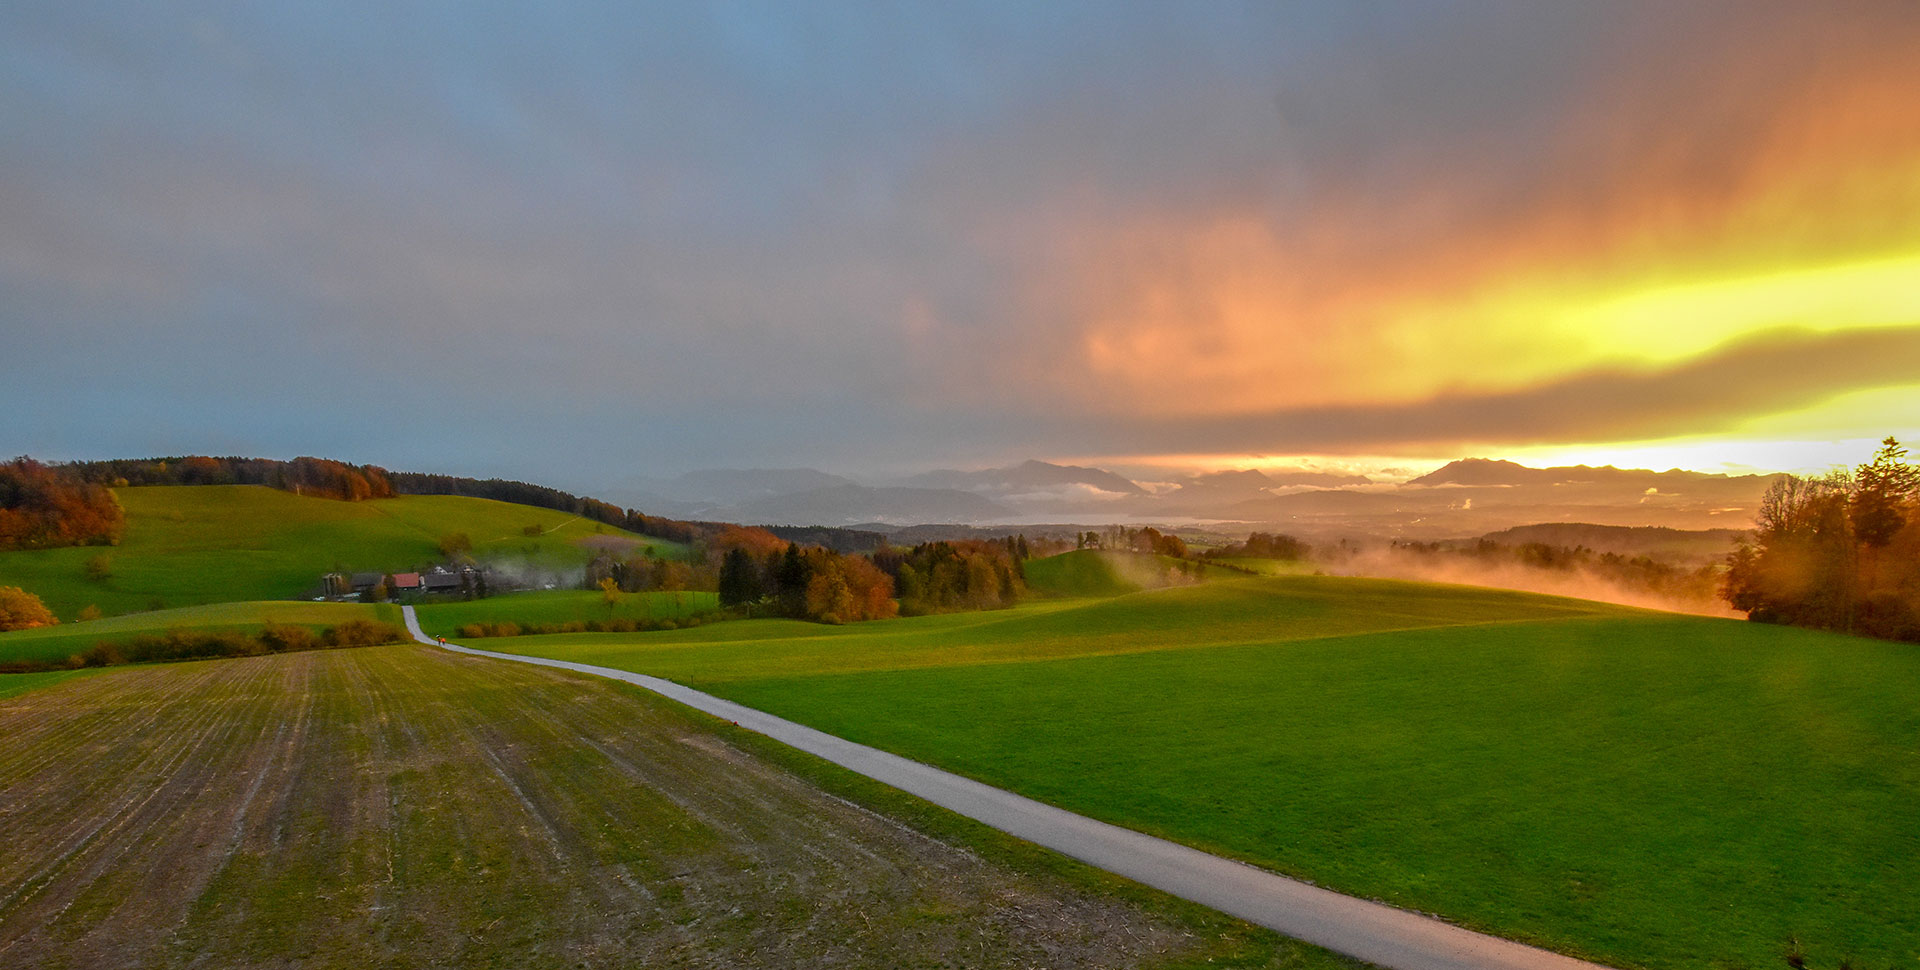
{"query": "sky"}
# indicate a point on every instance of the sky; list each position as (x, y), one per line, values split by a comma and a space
(586, 243)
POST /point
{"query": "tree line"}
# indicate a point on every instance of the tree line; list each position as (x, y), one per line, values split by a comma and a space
(326, 478)
(1263, 545)
(820, 584)
(182, 644)
(43, 507)
(319, 477)
(1641, 573)
(1836, 552)
(947, 577)
(1122, 538)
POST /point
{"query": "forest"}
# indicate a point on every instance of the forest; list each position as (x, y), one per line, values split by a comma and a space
(43, 507)
(1836, 552)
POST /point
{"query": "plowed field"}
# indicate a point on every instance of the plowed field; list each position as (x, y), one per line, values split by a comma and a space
(400, 806)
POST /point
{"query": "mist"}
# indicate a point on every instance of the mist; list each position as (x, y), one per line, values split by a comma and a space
(1578, 581)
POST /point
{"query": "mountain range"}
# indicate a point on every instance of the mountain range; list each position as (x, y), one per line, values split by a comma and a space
(1464, 498)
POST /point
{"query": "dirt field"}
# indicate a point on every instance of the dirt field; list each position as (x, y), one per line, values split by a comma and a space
(402, 807)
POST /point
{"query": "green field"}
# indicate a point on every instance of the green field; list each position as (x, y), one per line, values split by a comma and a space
(1195, 617)
(403, 807)
(57, 643)
(1642, 788)
(1097, 573)
(12, 685)
(1271, 567)
(564, 606)
(188, 545)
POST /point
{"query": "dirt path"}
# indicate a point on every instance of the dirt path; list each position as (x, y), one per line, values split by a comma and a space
(1360, 928)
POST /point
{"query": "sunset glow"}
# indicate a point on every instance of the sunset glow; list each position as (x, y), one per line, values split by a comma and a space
(1652, 234)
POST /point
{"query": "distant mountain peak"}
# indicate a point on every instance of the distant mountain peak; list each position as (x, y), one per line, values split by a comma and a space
(1027, 476)
(1498, 471)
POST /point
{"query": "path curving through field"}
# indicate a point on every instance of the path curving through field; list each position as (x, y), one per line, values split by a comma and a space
(1370, 931)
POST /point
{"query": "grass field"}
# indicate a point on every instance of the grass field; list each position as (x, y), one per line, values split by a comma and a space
(1646, 789)
(1222, 612)
(406, 807)
(12, 685)
(1083, 572)
(1271, 567)
(56, 643)
(564, 606)
(1096, 573)
(189, 545)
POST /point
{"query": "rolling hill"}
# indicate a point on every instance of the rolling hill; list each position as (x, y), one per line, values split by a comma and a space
(1558, 771)
(188, 545)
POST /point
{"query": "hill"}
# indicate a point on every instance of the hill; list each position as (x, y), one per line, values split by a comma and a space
(1031, 478)
(1689, 546)
(837, 505)
(1093, 572)
(1488, 471)
(187, 545)
(1557, 771)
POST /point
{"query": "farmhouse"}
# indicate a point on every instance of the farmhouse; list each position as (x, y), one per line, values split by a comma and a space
(405, 583)
(440, 581)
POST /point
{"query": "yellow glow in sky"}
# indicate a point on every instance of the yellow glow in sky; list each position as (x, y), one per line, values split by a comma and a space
(1668, 323)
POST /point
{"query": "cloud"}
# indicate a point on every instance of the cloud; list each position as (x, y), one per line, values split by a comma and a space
(780, 234)
(1775, 372)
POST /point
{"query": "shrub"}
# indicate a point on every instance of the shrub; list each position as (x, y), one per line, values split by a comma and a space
(286, 639)
(21, 610)
(361, 633)
(103, 654)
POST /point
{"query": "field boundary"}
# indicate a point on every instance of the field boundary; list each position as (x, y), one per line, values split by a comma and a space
(1360, 928)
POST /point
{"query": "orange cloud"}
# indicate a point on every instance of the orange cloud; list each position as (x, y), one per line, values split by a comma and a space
(1771, 180)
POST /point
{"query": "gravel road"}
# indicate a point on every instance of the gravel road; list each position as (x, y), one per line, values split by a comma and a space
(1360, 928)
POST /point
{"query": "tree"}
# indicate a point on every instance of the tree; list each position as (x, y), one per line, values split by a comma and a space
(455, 545)
(1840, 552)
(739, 578)
(21, 610)
(99, 568)
(610, 593)
(1882, 489)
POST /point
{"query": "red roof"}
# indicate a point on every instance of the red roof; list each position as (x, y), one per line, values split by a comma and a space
(406, 580)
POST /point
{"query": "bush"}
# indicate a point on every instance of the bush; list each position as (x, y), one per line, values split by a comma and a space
(361, 633)
(288, 639)
(21, 610)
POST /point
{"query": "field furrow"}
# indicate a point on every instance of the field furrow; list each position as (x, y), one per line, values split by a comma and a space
(406, 807)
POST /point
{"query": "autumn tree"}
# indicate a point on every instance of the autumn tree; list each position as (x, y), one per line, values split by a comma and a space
(1840, 552)
(44, 507)
(21, 610)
